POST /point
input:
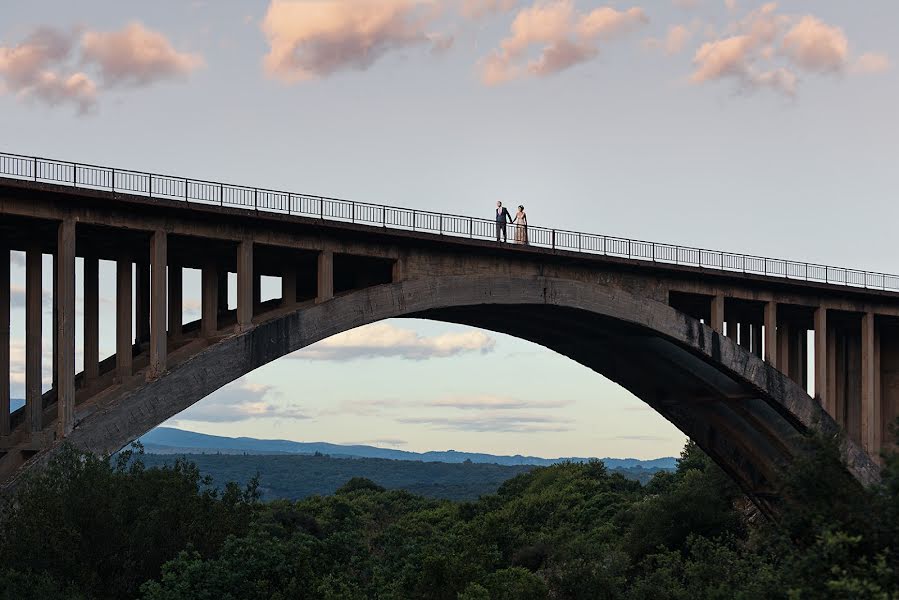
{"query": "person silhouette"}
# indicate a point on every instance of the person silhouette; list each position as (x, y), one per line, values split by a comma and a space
(502, 217)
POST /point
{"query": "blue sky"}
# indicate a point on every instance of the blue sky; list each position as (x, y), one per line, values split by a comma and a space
(753, 127)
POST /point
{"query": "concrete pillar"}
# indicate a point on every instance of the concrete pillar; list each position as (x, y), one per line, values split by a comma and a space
(175, 303)
(158, 276)
(91, 329)
(870, 413)
(325, 276)
(771, 333)
(831, 378)
(123, 310)
(209, 300)
(757, 339)
(246, 285)
(783, 346)
(4, 341)
(65, 333)
(33, 299)
(745, 335)
(142, 304)
(821, 361)
(399, 274)
(717, 318)
(289, 285)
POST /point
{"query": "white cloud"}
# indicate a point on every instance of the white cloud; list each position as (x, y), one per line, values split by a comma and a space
(500, 422)
(565, 38)
(136, 56)
(240, 402)
(381, 340)
(311, 40)
(486, 402)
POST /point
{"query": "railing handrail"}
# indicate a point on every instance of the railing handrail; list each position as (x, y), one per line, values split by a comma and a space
(20, 166)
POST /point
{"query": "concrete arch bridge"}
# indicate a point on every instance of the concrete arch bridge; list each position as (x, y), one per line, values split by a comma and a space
(710, 340)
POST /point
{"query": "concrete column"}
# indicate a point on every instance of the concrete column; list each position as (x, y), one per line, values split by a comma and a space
(771, 333)
(325, 276)
(783, 346)
(717, 318)
(831, 384)
(158, 276)
(289, 285)
(246, 285)
(142, 304)
(745, 335)
(209, 300)
(91, 329)
(821, 360)
(4, 341)
(123, 348)
(65, 333)
(870, 413)
(398, 274)
(175, 303)
(757, 339)
(33, 299)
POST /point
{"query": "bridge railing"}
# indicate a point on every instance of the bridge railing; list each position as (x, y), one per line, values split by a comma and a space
(194, 191)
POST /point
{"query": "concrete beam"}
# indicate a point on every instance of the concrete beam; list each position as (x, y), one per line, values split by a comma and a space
(5, 259)
(771, 333)
(91, 328)
(717, 318)
(123, 348)
(33, 311)
(209, 300)
(871, 411)
(246, 286)
(158, 277)
(821, 356)
(325, 276)
(65, 332)
(175, 303)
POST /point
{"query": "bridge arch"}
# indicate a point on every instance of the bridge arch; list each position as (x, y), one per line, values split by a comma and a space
(747, 415)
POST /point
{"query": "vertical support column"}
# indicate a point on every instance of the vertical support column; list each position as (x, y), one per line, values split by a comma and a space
(33, 309)
(398, 273)
(717, 318)
(745, 335)
(123, 347)
(870, 417)
(246, 284)
(158, 276)
(784, 334)
(142, 304)
(91, 329)
(325, 276)
(771, 333)
(757, 339)
(65, 333)
(821, 358)
(209, 300)
(831, 405)
(289, 285)
(176, 299)
(4, 341)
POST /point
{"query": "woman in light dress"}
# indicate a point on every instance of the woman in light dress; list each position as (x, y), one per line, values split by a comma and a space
(521, 226)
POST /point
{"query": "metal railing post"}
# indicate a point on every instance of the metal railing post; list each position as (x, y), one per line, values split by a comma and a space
(353, 212)
(255, 199)
(185, 190)
(470, 227)
(113, 180)
(221, 195)
(553, 237)
(384, 216)
(321, 208)
(35, 169)
(74, 174)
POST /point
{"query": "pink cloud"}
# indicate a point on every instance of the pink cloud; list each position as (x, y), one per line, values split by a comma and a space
(136, 56)
(816, 46)
(310, 40)
(478, 9)
(871, 62)
(675, 40)
(566, 38)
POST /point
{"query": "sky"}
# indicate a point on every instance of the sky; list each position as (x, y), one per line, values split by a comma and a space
(763, 128)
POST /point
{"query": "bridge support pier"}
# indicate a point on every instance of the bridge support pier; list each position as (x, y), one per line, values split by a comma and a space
(325, 276)
(821, 359)
(33, 309)
(123, 349)
(289, 285)
(4, 341)
(91, 328)
(247, 286)
(771, 340)
(209, 300)
(142, 303)
(158, 276)
(175, 303)
(717, 314)
(757, 339)
(64, 349)
(871, 408)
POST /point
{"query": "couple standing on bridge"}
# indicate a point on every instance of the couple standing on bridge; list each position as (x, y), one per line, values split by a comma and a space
(520, 233)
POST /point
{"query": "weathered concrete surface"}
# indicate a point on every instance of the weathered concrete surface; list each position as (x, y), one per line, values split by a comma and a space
(746, 414)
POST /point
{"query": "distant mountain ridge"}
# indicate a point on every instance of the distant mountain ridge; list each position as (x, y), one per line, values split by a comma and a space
(168, 440)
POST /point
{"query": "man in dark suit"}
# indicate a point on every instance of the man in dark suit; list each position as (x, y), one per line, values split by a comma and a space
(502, 217)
